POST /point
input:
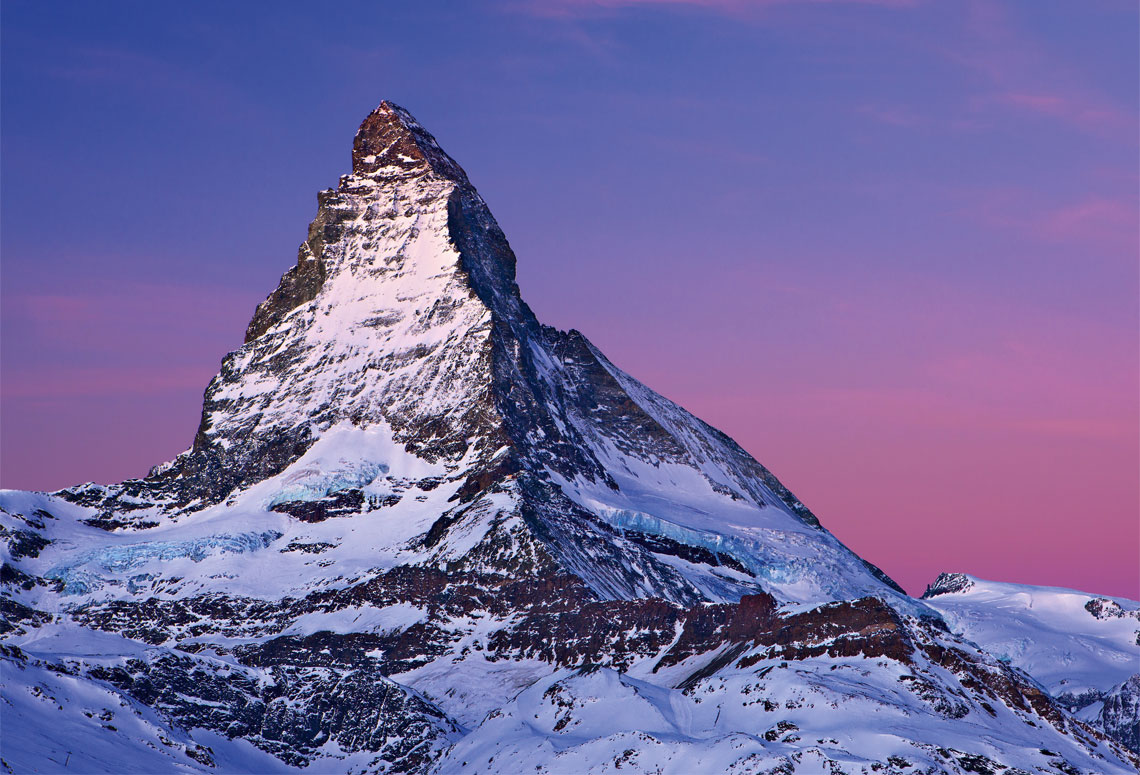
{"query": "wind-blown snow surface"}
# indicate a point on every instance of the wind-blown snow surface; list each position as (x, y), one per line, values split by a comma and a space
(417, 530)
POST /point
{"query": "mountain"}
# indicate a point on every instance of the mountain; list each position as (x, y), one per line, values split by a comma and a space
(1084, 649)
(419, 531)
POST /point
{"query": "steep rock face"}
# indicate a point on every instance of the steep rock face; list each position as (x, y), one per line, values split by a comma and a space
(414, 520)
(386, 317)
(1120, 715)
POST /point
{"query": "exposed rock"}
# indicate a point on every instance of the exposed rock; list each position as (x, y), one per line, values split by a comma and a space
(947, 584)
(1120, 715)
(342, 503)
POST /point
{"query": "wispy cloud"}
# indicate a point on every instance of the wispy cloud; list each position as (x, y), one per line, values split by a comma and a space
(69, 381)
(1081, 428)
(737, 8)
(1096, 221)
(892, 115)
(1019, 75)
(110, 67)
(104, 317)
(1079, 110)
(116, 340)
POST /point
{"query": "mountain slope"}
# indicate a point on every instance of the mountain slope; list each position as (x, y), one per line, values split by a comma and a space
(410, 507)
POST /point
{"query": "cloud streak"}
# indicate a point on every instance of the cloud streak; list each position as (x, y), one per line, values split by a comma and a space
(1019, 76)
(567, 9)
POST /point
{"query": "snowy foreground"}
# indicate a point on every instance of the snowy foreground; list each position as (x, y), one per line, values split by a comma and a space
(418, 531)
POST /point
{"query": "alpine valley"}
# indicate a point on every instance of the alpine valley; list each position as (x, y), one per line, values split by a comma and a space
(419, 531)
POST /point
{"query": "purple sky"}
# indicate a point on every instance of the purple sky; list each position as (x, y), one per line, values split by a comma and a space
(890, 247)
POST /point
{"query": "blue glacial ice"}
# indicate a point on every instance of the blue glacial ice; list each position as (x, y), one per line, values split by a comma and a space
(88, 571)
(753, 554)
(798, 569)
(311, 485)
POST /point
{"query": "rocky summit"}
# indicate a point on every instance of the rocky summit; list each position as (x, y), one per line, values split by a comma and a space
(419, 531)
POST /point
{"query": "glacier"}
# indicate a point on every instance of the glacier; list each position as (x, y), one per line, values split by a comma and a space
(90, 570)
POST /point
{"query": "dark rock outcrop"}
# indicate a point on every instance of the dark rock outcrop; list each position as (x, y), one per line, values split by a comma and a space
(947, 584)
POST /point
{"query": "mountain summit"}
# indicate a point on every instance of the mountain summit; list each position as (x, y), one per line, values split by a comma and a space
(417, 530)
(391, 139)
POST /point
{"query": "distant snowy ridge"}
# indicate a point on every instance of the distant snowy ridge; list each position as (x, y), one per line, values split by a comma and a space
(1084, 649)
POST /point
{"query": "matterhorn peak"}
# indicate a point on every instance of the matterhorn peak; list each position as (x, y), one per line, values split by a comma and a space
(402, 313)
(391, 142)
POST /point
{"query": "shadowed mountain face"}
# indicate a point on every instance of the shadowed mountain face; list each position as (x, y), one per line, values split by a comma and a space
(417, 528)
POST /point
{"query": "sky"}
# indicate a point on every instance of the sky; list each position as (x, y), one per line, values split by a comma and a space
(890, 247)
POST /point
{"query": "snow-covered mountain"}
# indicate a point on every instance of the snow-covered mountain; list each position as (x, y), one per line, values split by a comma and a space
(419, 531)
(1084, 649)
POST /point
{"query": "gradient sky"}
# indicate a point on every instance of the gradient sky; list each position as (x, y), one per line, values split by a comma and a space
(890, 247)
